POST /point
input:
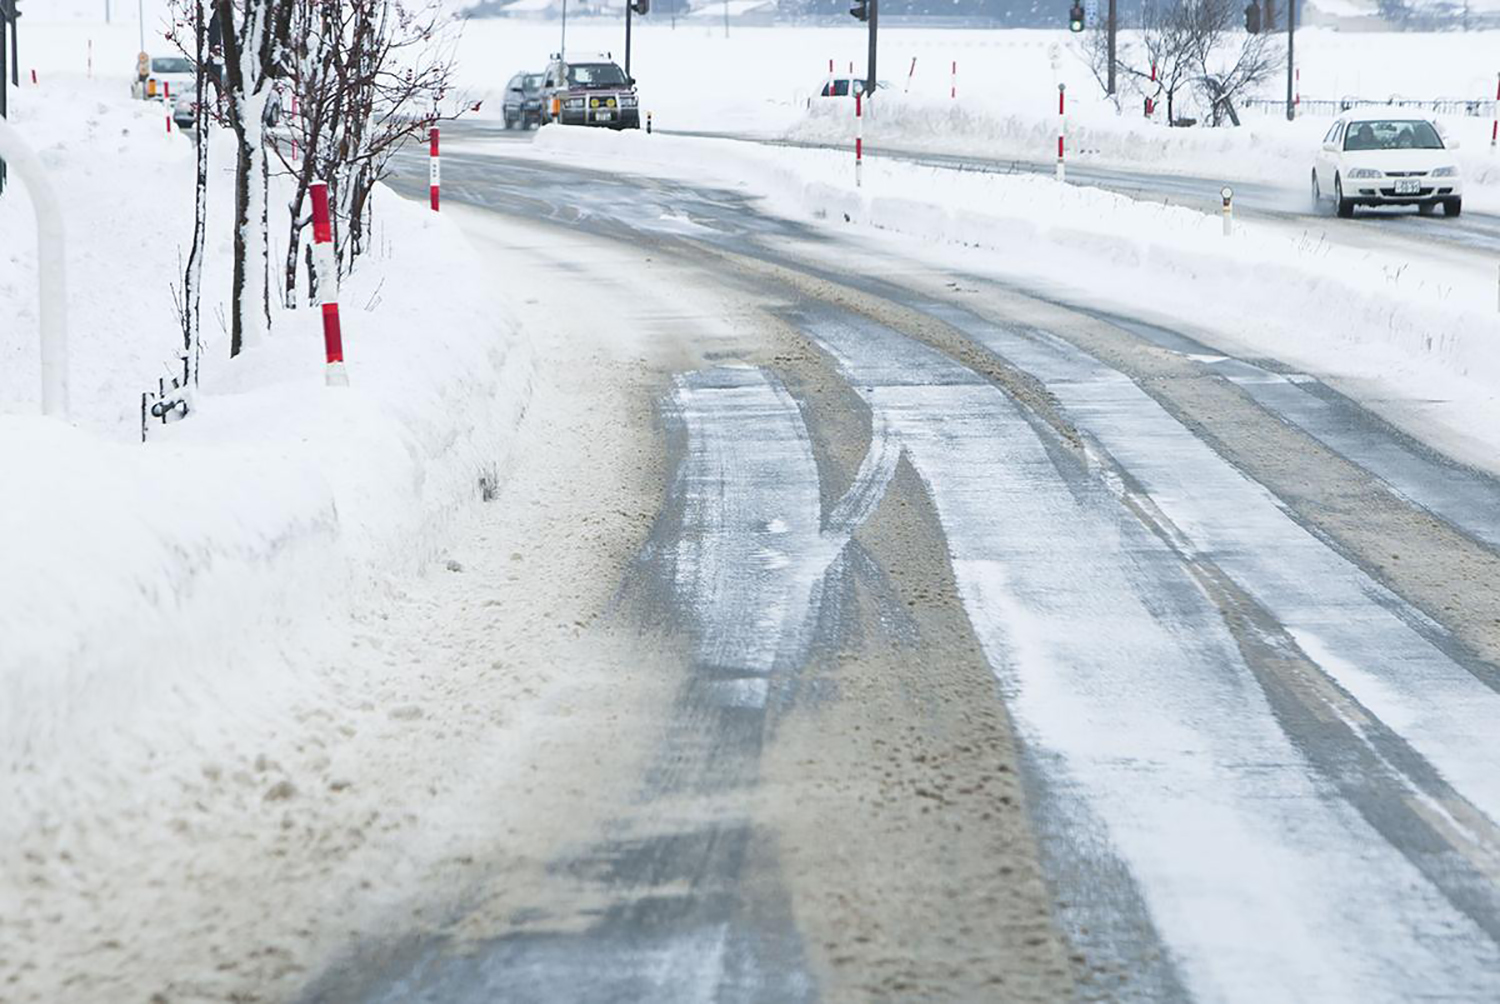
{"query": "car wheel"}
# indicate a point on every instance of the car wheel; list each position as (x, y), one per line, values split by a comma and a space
(510, 123)
(1452, 207)
(1317, 194)
(1345, 206)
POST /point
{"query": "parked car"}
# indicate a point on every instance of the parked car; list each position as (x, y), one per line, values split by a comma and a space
(593, 92)
(165, 78)
(1387, 157)
(845, 87)
(523, 100)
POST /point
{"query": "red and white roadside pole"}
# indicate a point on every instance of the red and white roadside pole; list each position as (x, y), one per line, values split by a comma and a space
(91, 59)
(910, 73)
(830, 66)
(166, 96)
(1495, 126)
(1062, 128)
(328, 285)
(434, 171)
(1150, 101)
(859, 140)
(953, 83)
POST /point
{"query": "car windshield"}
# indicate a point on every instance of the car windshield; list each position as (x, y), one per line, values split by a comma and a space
(595, 75)
(533, 81)
(1394, 134)
(169, 64)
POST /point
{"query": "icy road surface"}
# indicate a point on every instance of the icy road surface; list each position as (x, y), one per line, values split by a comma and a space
(1021, 652)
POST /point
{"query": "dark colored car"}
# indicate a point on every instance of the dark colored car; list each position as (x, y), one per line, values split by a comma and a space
(523, 101)
(593, 92)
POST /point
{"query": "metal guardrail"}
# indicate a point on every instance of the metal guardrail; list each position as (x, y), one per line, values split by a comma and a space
(1482, 108)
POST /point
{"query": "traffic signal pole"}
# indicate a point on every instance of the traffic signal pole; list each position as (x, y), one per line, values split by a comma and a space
(628, 8)
(1113, 24)
(1291, 36)
(870, 66)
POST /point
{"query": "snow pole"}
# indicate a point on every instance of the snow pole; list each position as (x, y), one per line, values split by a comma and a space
(1495, 126)
(434, 172)
(1062, 128)
(909, 74)
(166, 96)
(830, 66)
(859, 140)
(52, 285)
(648, 123)
(1228, 195)
(953, 82)
(91, 59)
(328, 285)
(33, 77)
(1150, 101)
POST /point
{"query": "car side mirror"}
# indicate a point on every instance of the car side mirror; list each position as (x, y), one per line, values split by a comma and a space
(630, 81)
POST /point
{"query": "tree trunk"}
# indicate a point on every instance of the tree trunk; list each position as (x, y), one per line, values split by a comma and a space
(192, 283)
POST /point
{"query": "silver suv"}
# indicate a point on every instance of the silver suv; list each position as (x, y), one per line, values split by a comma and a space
(593, 92)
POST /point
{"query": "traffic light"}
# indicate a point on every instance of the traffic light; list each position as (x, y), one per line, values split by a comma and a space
(861, 9)
(1252, 18)
(1076, 17)
(641, 6)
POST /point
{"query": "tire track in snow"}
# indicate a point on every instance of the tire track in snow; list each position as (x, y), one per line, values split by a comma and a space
(754, 545)
(1140, 712)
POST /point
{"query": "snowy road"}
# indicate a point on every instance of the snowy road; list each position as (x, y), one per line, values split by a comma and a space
(1020, 652)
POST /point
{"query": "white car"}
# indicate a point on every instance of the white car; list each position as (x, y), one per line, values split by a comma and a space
(1387, 157)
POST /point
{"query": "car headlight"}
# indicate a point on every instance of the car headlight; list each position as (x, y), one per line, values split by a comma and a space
(573, 103)
(1364, 172)
(593, 102)
(1445, 172)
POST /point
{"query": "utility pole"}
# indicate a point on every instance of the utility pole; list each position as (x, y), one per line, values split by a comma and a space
(1291, 37)
(1113, 24)
(726, 18)
(562, 45)
(870, 66)
(629, 8)
(140, 12)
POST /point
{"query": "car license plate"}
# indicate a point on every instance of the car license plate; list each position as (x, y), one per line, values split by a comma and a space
(603, 116)
(1408, 186)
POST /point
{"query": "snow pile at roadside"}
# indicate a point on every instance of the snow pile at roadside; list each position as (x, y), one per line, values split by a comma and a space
(1293, 292)
(154, 594)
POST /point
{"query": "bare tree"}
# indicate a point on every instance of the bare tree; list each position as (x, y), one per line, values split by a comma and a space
(255, 43)
(365, 77)
(1190, 48)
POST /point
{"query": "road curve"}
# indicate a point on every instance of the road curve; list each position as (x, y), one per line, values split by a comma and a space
(1027, 652)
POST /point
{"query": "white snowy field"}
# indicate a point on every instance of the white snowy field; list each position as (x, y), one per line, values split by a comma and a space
(1411, 328)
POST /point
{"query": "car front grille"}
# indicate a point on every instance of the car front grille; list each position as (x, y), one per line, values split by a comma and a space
(1420, 193)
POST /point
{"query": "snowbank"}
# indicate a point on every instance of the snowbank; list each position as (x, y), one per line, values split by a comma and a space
(151, 592)
(1416, 327)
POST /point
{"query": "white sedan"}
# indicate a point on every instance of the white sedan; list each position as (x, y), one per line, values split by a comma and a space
(1387, 157)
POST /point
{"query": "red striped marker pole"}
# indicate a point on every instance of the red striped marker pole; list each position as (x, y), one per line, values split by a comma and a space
(328, 285)
(166, 96)
(859, 140)
(953, 85)
(909, 74)
(1062, 128)
(1495, 128)
(434, 172)
(33, 77)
